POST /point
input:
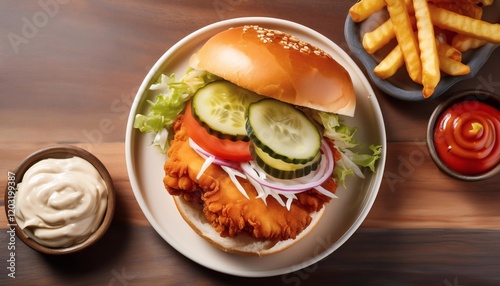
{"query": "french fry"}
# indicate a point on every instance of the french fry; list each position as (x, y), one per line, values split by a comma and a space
(447, 51)
(464, 43)
(406, 39)
(379, 37)
(462, 7)
(365, 8)
(475, 2)
(474, 28)
(431, 36)
(428, 50)
(390, 64)
(484, 2)
(409, 7)
(452, 67)
(470, 9)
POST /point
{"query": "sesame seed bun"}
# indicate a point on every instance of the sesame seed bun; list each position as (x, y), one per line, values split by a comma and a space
(278, 65)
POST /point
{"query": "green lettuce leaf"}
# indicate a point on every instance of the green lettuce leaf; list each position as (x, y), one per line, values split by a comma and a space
(353, 156)
(171, 96)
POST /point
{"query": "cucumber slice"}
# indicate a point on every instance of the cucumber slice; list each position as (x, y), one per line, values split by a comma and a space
(283, 131)
(280, 169)
(221, 108)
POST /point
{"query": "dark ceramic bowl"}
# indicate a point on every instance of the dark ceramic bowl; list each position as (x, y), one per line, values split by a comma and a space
(474, 95)
(400, 85)
(58, 152)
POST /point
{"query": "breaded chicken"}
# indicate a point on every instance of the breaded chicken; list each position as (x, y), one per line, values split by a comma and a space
(227, 210)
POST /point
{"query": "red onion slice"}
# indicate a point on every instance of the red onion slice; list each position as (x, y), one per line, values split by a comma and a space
(280, 186)
(311, 181)
(216, 160)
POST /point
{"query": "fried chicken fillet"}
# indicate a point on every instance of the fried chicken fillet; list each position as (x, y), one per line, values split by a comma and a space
(225, 208)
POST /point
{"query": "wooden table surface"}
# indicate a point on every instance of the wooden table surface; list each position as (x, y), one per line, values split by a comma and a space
(69, 71)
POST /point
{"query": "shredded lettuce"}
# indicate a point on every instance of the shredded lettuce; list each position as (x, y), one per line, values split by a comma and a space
(334, 129)
(171, 96)
(353, 157)
(368, 160)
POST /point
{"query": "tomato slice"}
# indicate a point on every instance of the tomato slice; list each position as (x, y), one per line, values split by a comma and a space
(221, 148)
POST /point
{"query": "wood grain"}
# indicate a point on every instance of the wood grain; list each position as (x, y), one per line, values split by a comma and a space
(135, 255)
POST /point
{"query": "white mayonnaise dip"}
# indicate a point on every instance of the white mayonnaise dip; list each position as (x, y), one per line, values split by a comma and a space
(61, 202)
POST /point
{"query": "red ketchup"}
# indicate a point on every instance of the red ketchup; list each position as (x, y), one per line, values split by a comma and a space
(467, 137)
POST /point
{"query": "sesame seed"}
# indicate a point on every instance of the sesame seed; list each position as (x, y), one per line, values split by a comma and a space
(286, 40)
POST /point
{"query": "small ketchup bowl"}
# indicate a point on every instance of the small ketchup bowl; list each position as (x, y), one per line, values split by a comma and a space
(57, 194)
(463, 135)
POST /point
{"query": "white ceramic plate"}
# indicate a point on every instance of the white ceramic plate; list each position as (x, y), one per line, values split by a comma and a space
(342, 217)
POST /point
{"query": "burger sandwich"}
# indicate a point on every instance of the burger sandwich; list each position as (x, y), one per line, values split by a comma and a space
(255, 141)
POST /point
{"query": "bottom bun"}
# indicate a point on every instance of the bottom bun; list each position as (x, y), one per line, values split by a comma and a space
(241, 244)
